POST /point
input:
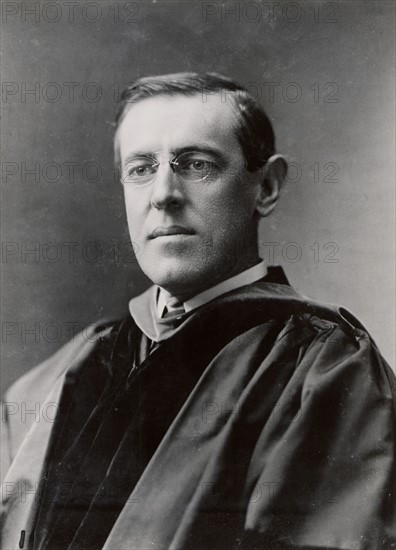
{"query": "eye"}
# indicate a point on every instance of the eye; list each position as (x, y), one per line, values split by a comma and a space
(199, 164)
(196, 165)
(195, 168)
(139, 171)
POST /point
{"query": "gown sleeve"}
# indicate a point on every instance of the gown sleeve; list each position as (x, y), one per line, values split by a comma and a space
(323, 478)
(5, 441)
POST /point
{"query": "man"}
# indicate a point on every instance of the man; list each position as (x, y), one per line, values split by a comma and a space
(226, 411)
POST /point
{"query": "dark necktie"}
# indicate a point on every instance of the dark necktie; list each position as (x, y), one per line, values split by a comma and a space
(174, 308)
(174, 315)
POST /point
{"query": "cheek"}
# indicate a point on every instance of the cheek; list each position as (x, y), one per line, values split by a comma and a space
(135, 215)
(231, 211)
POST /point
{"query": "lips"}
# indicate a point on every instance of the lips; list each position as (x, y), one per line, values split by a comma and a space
(168, 231)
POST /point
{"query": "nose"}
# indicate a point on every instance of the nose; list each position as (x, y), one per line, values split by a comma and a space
(166, 193)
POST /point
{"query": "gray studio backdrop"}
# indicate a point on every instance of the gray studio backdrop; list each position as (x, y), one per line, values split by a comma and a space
(324, 70)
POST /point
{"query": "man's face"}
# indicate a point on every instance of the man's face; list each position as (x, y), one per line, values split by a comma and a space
(188, 235)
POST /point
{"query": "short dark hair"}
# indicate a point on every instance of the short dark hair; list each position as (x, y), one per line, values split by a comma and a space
(253, 129)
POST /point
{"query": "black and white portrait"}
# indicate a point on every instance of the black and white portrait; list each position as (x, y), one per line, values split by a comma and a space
(197, 275)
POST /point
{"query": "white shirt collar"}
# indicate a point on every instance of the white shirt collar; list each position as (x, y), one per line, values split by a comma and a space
(247, 277)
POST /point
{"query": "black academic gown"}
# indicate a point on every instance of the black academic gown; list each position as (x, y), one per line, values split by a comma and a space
(265, 421)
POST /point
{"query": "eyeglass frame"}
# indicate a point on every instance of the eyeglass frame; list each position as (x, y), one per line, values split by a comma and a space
(173, 163)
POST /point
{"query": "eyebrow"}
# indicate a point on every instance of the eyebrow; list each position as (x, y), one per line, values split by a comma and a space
(178, 151)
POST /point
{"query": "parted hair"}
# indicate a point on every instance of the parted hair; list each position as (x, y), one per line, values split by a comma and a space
(253, 128)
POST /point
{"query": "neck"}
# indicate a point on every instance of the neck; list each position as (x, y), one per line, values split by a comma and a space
(235, 270)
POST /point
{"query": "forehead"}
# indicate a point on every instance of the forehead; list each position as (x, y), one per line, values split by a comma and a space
(164, 123)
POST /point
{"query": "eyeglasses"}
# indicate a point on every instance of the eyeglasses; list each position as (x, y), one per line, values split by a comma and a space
(189, 166)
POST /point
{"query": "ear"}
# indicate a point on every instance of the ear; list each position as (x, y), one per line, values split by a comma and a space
(273, 176)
